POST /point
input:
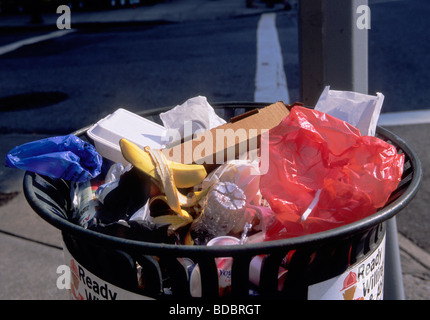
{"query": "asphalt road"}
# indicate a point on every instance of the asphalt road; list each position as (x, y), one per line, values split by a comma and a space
(93, 71)
(137, 68)
(398, 53)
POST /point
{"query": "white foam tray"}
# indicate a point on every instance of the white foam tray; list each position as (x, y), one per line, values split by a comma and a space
(107, 133)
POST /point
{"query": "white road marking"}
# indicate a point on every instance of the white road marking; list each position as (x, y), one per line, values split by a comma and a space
(18, 44)
(404, 118)
(270, 79)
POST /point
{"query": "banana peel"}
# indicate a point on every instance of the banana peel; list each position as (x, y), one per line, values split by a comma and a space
(185, 201)
(185, 175)
(175, 221)
(169, 176)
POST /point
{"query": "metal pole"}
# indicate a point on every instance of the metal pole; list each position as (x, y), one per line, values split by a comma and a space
(333, 49)
(393, 279)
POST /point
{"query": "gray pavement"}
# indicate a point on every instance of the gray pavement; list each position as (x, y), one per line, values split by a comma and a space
(31, 248)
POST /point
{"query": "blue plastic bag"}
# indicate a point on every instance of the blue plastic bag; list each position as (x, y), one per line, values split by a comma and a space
(63, 157)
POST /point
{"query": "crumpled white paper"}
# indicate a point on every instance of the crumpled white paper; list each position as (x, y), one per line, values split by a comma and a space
(358, 109)
(194, 114)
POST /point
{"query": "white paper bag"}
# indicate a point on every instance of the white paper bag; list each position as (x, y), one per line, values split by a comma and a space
(358, 109)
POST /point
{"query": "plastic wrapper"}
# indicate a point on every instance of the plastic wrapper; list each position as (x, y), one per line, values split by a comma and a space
(194, 115)
(258, 219)
(323, 173)
(63, 157)
(243, 173)
(111, 181)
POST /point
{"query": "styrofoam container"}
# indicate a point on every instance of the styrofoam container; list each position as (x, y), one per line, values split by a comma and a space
(107, 133)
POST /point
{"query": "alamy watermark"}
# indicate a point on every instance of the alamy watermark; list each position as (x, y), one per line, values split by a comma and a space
(65, 277)
(363, 21)
(218, 146)
(64, 20)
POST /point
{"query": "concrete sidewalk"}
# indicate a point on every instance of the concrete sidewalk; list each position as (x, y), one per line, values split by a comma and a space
(31, 248)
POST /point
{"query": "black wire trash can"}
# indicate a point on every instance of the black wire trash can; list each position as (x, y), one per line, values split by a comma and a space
(342, 263)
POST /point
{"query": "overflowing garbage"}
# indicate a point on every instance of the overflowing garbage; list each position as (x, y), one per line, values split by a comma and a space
(272, 173)
(302, 171)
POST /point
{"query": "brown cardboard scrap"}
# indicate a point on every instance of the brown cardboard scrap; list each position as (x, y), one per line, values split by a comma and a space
(228, 141)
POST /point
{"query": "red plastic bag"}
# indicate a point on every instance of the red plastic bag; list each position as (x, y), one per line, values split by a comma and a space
(323, 174)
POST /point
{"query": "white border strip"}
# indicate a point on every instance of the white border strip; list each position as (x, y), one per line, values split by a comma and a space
(270, 79)
(404, 118)
(16, 45)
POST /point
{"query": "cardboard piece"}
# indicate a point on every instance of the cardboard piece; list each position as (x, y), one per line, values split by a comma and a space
(230, 140)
